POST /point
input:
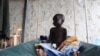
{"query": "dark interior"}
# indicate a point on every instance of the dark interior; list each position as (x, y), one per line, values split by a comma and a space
(4, 19)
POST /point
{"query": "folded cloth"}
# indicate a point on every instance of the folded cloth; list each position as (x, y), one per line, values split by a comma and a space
(50, 51)
(71, 40)
(71, 44)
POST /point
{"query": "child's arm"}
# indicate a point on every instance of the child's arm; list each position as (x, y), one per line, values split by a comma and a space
(51, 35)
(65, 34)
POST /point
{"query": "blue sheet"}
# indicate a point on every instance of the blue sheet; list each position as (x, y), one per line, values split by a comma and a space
(53, 52)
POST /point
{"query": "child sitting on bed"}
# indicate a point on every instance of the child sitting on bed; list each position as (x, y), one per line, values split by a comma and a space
(58, 34)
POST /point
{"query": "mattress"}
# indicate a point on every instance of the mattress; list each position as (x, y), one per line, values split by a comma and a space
(27, 49)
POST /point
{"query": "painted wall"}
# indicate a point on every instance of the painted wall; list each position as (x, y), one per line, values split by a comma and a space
(15, 15)
(81, 17)
(40, 14)
(93, 18)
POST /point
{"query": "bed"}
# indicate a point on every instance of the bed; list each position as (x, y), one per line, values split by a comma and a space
(27, 49)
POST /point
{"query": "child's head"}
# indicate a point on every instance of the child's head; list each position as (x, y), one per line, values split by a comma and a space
(58, 20)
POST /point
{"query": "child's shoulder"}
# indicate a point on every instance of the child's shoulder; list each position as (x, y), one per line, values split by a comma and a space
(52, 28)
(64, 28)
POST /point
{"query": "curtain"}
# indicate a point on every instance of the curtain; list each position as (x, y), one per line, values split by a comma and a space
(1, 15)
(4, 17)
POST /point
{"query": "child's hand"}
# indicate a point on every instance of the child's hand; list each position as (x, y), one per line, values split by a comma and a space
(61, 46)
(54, 45)
(58, 49)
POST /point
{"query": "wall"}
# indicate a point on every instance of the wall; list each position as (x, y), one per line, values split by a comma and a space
(93, 18)
(15, 15)
(40, 14)
(82, 17)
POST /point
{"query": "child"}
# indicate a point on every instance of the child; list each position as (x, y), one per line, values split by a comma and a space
(58, 34)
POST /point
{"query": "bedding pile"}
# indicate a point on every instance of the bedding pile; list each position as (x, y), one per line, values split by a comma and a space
(68, 46)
